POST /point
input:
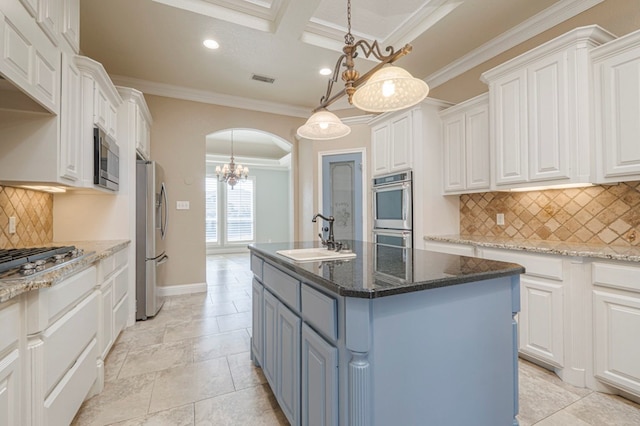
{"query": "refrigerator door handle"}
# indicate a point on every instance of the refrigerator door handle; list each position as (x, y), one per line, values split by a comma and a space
(162, 259)
(165, 208)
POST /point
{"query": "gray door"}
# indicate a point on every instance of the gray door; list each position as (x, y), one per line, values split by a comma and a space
(342, 194)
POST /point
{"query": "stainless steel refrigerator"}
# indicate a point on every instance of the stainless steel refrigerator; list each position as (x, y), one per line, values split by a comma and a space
(151, 230)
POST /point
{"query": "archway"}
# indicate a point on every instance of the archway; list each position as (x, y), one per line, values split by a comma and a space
(258, 208)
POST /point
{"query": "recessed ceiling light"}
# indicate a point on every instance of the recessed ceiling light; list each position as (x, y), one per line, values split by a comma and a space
(325, 71)
(211, 44)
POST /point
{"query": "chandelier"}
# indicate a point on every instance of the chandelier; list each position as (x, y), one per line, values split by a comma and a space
(384, 88)
(231, 173)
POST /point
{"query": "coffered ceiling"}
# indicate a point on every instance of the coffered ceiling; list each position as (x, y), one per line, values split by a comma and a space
(156, 45)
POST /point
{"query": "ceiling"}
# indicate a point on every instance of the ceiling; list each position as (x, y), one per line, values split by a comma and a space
(156, 45)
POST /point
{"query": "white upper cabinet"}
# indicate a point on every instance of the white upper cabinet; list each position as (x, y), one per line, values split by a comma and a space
(71, 23)
(70, 118)
(540, 117)
(465, 130)
(138, 115)
(28, 59)
(392, 140)
(49, 13)
(616, 71)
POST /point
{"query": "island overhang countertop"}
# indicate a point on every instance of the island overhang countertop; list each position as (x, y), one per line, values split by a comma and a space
(379, 271)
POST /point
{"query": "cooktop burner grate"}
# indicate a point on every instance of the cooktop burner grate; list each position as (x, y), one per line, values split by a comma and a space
(12, 258)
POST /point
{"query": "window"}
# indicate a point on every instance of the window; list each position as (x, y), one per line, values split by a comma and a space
(240, 212)
(230, 213)
(211, 227)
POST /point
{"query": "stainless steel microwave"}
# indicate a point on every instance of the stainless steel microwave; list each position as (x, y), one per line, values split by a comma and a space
(106, 161)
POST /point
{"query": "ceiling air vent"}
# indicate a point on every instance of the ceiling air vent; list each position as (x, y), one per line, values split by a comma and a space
(263, 79)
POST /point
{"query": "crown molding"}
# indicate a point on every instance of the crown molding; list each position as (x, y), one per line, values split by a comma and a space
(535, 25)
(209, 97)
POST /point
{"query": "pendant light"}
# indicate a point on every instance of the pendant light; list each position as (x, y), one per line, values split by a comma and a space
(382, 89)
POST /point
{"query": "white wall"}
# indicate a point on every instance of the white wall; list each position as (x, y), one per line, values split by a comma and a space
(273, 205)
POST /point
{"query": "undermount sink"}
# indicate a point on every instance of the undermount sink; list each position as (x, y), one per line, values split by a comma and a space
(315, 254)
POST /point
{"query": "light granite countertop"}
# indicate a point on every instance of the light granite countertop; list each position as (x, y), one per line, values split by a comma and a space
(629, 254)
(94, 252)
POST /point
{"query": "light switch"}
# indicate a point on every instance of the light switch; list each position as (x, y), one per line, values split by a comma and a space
(500, 219)
(182, 205)
(12, 225)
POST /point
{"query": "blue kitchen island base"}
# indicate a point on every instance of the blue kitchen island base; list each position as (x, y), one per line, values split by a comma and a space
(445, 354)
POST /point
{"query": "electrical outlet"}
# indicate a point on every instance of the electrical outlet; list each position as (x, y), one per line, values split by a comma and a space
(12, 225)
(182, 205)
(500, 219)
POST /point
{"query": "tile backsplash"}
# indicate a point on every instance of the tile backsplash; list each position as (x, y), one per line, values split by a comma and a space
(33, 211)
(608, 214)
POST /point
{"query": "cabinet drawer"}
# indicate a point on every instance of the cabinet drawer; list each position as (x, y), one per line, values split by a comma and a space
(65, 340)
(120, 313)
(120, 285)
(536, 265)
(282, 285)
(65, 294)
(107, 266)
(320, 311)
(256, 266)
(450, 248)
(9, 326)
(61, 405)
(625, 277)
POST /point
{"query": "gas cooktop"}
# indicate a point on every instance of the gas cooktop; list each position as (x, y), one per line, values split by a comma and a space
(17, 263)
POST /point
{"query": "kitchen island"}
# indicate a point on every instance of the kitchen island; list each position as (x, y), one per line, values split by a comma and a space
(393, 336)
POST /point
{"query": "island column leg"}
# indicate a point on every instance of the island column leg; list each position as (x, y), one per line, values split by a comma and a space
(358, 339)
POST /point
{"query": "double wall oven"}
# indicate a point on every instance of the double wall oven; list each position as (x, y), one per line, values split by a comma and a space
(393, 226)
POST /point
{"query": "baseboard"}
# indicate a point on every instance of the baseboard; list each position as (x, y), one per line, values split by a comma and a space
(177, 290)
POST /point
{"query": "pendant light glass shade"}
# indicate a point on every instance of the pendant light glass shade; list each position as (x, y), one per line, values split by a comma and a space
(323, 125)
(390, 88)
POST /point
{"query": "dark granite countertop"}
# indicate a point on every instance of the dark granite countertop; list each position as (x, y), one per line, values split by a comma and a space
(94, 252)
(379, 271)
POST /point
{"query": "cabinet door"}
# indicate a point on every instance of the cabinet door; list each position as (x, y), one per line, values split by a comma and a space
(70, 115)
(28, 58)
(100, 109)
(478, 172)
(548, 118)
(71, 23)
(257, 326)
(106, 328)
(269, 355)
(319, 380)
(288, 366)
(400, 143)
(617, 347)
(380, 142)
(541, 320)
(10, 401)
(454, 153)
(509, 128)
(49, 18)
(618, 114)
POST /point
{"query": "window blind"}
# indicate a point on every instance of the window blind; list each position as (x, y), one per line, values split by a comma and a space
(240, 211)
(211, 226)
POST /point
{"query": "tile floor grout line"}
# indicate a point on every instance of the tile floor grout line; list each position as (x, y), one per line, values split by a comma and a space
(563, 408)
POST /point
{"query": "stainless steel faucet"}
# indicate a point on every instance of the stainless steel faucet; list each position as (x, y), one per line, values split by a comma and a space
(330, 242)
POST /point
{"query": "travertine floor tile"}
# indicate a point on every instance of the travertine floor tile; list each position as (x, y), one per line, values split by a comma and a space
(599, 409)
(190, 383)
(156, 358)
(220, 345)
(244, 372)
(562, 418)
(253, 406)
(192, 328)
(235, 321)
(120, 400)
(135, 337)
(180, 416)
(114, 362)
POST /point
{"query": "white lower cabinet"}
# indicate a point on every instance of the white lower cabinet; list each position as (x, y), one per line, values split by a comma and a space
(616, 319)
(11, 404)
(113, 281)
(541, 327)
